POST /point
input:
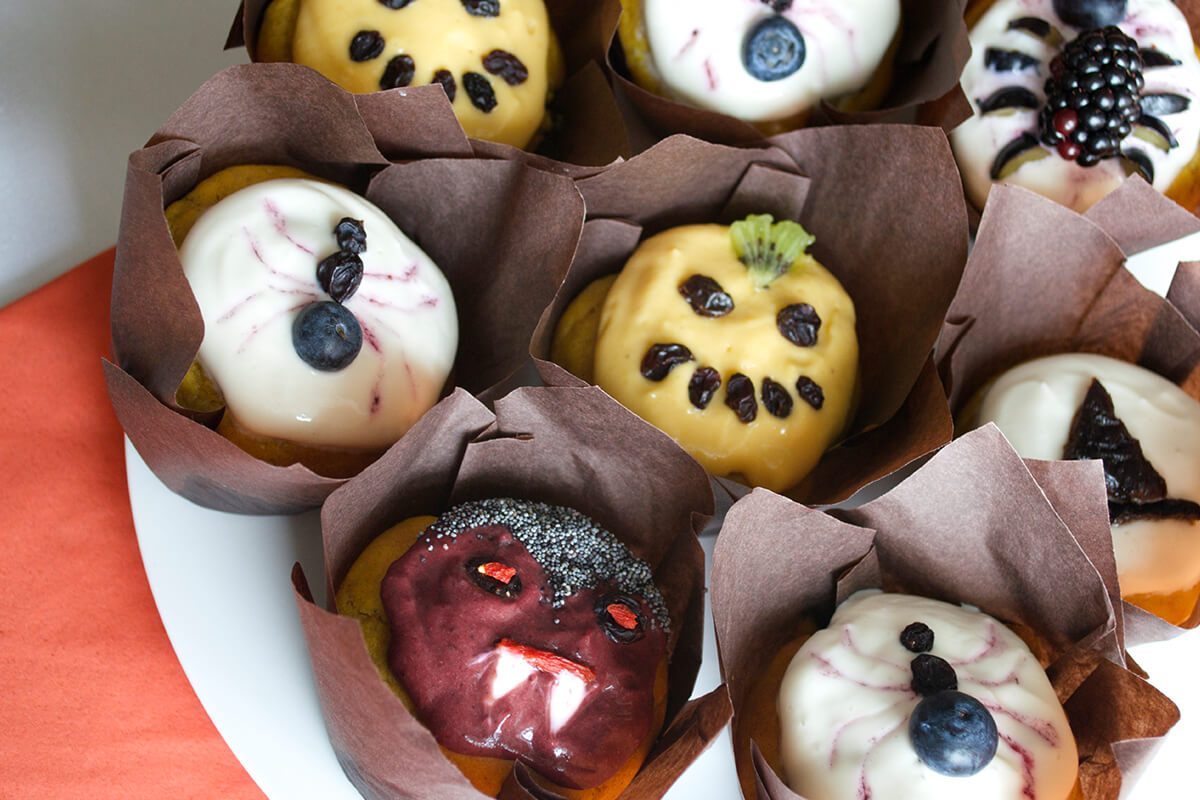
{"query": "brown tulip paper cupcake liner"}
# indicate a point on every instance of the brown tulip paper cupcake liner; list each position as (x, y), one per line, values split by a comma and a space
(588, 129)
(973, 525)
(930, 56)
(887, 211)
(502, 233)
(1043, 280)
(566, 446)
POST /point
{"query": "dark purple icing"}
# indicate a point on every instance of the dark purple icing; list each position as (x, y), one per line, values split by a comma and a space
(447, 624)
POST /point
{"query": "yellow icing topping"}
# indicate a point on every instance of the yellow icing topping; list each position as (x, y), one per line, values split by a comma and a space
(439, 35)
(644, 307)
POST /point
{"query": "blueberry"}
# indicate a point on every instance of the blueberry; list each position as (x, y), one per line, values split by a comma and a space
(773, 49)
(1090, 13)
(953, 733)
(326, 336)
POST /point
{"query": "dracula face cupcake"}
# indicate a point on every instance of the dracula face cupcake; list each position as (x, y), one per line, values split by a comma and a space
(1146, 430)
(327, 332)
(766, 62)
(497, 60)
(518, 631)
(902, 697)
(731, 339)
(1072, 96)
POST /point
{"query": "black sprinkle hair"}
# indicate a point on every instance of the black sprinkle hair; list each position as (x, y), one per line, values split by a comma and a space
(572, 548)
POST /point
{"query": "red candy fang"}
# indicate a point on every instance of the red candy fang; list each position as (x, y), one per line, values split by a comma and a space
(497, 571)
(622, 616)
(544, 661)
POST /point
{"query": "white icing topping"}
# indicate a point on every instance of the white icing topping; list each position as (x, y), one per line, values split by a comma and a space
(696, 48)
(252, 263)
(567, 691)
(1154, 24)
(1034, 403)
(846, 698)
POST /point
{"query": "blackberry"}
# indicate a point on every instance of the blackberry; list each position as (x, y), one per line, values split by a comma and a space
(1092, 98)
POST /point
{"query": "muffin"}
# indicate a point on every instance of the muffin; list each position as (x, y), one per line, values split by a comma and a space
(327, 331)
(991, 613)
(905, 697)
(499, 63)
(1070, 97)
(764, 63)
(1145, 430)
(518, 631)
(732, 339)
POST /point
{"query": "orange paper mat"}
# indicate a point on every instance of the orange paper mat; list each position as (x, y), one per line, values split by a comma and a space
(94, 702)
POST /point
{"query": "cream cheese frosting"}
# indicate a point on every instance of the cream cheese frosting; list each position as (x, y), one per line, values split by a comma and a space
(1155, 24)
(695, 47)
(644, 308)
(497, 68)
(846, 700)
(252, 260)
(1034, 403)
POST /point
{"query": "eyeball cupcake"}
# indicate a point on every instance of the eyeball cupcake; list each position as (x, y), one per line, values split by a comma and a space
(518, 631)
(1146, 430)
(498, 61)
(327, 332)
(731, 339)
(766, 62)
(1073, 96)
(903, 697)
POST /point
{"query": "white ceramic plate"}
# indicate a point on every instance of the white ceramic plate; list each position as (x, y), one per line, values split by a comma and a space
(222, 586)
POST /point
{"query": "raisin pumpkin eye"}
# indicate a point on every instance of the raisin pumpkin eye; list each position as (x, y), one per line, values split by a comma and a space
(620, 617)
(494, 576)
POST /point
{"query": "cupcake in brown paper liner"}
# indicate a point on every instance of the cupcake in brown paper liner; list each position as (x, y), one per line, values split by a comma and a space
(524, 74)
(1054, 340)
(458, 213)
(737, 72)
(733, 368)
(506, 489)
(973, 526)
(1040, 121)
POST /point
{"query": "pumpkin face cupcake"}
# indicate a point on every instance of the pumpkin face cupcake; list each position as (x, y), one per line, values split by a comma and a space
(732, 339)
(497, 61)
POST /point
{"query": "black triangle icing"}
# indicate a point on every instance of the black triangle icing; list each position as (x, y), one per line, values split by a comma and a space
(1135, 488)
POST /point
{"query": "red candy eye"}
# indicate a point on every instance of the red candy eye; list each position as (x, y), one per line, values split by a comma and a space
(497, 571)
(622, 616)
(494, 576)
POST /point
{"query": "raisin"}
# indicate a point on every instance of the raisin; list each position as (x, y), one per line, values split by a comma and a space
(480, 91)
(395, 4)
(487, 577)
(620, 617)
(399, 72)
(507, 66)
(366, 45)
(340, 274)
(739, 396)
(799, 324)
(703, 385)
(776, 399)
(705, 296)
(660, 359)
(810, 392)
(351, 235)
(932, 674)
(778, 6)
(917, 638)
(482, 8)
(446, 79)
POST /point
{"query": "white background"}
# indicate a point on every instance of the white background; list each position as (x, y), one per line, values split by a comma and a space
(82, 85)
